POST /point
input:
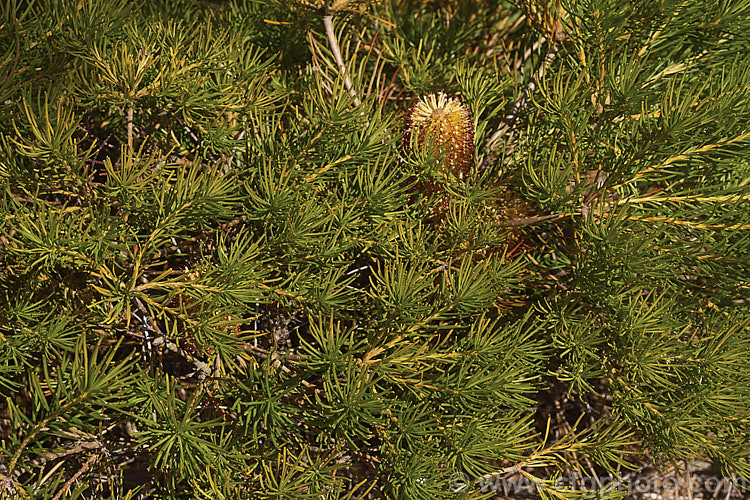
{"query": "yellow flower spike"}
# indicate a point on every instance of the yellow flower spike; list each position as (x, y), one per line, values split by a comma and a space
(443, 122)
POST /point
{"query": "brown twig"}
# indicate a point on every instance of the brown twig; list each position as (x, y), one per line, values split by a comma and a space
(78, 474)
(130, 127)
(328, 23)
(510, 119)
(535, 221)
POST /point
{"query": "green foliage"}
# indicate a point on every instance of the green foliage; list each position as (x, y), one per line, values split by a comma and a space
(221, 275)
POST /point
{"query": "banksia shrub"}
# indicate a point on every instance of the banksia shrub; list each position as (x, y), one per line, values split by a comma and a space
(228, 271)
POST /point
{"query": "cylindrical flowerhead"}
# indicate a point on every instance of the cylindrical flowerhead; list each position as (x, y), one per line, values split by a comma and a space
(444, 122)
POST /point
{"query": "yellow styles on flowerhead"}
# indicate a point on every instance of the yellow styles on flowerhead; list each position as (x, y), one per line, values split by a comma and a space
(444, 122)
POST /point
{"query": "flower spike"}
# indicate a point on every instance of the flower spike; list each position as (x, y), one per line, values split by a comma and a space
(445, 122)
